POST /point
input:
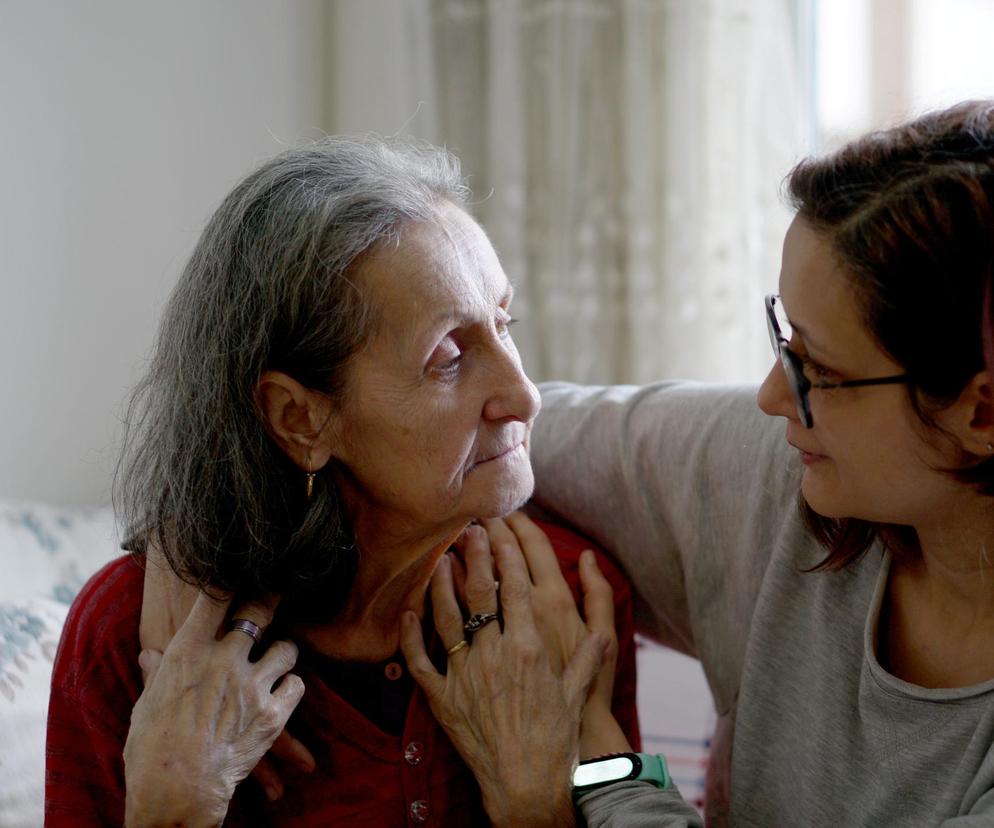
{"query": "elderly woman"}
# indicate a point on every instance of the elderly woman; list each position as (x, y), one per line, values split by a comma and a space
(333, 397)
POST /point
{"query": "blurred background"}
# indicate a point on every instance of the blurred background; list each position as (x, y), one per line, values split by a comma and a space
(626, 158)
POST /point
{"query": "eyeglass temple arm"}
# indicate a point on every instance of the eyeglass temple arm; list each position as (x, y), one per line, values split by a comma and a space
(857, 383)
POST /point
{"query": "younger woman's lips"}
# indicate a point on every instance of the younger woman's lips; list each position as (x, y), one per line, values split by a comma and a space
(808, 457)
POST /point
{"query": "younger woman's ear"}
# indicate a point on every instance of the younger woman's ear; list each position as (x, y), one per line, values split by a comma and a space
(976, 419)
(296, 417)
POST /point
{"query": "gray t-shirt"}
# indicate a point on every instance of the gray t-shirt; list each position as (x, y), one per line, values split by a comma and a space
(694, 491)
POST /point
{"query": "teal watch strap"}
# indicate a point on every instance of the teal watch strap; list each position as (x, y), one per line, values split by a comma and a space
(618, 767)
(654, 769)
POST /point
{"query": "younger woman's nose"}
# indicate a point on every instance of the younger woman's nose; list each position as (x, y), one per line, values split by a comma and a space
(775, 396)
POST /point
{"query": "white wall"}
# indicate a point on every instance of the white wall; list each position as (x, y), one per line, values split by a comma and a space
(375, 80)
(121, 124)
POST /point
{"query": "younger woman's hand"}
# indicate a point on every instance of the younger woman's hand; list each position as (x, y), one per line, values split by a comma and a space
(562, 627)
(510, 706)
(206, 717)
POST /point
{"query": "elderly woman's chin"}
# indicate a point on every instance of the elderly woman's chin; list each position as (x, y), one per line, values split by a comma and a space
(506, 484)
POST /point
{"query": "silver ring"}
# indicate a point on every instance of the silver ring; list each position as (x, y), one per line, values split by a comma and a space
(250, 628)
(479, 621)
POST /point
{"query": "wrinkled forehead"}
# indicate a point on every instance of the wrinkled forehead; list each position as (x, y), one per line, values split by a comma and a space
(442, 267)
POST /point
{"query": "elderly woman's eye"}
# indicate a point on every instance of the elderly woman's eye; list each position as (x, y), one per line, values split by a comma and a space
(449, 365)
(504, 324)
(446, 358)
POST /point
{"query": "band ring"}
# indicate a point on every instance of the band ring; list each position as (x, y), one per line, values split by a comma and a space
(455, 648)
(478, 621)
(250, 628)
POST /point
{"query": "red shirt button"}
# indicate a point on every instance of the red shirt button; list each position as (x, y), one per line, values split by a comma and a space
(419, 811)
(393, 671)
(414, 753)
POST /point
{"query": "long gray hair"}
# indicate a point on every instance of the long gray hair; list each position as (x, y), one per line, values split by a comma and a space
(267, 287)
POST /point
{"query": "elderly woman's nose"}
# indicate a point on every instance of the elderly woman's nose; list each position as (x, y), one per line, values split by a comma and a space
(513, 394)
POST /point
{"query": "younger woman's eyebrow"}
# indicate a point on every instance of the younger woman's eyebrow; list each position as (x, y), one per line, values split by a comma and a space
(808, 342)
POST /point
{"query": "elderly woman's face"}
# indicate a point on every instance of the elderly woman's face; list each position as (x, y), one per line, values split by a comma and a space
(437, 413)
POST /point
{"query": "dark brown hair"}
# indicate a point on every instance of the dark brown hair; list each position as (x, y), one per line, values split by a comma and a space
(909, 212)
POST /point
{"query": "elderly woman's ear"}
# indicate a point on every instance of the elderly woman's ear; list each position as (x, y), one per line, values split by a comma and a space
(298, 418)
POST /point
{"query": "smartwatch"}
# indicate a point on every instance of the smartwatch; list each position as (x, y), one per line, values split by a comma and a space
(619, 767)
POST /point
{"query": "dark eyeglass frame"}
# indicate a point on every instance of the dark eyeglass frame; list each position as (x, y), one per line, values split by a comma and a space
(793, 367)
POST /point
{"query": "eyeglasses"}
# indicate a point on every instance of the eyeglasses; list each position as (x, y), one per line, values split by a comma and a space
(793, 366)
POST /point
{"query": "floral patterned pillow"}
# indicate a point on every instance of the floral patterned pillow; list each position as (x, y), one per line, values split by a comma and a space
(29, 634)
(51, 551)
(46, 554)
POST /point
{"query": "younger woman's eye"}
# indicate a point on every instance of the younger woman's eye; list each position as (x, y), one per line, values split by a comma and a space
(817, 369)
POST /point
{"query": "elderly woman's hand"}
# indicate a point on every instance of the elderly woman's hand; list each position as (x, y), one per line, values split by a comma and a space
(166, 602)
(206, 717)
(510, 704)
(562, 627)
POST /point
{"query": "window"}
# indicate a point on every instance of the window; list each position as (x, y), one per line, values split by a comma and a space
(877, 62)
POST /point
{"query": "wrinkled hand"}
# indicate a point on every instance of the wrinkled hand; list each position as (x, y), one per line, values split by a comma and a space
(206, 717)
(510, 707)
(562, 627)
(166, 603)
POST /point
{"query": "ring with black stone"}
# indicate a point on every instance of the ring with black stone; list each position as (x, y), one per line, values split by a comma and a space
(478, 621)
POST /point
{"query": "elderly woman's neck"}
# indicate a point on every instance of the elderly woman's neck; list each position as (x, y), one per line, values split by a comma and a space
(393, 576)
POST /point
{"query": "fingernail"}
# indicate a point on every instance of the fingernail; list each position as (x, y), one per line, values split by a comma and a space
(273, 793)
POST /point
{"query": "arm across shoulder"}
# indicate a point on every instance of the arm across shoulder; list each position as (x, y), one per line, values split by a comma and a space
(687, 486)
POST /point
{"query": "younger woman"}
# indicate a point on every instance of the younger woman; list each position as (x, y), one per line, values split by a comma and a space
(848, 633)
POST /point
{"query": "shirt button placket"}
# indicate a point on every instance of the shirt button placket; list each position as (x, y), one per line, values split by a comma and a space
(415, 781)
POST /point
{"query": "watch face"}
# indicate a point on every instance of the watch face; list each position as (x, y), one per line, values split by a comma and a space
(602, 771)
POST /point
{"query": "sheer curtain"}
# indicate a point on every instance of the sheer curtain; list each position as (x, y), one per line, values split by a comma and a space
(627, 157)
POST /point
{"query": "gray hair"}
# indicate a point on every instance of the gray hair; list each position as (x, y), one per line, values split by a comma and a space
(267, 287)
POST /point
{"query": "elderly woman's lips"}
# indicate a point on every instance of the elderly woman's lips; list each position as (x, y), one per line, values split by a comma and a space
(499, 455)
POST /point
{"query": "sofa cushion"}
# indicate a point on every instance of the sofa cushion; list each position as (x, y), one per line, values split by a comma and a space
(50, 551)
(46, 554)
(29, 635)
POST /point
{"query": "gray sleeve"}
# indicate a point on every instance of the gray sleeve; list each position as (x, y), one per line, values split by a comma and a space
(638, 805)
(686, 485)
(981, 814)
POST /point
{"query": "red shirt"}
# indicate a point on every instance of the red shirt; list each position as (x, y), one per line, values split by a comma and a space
(364, 777)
